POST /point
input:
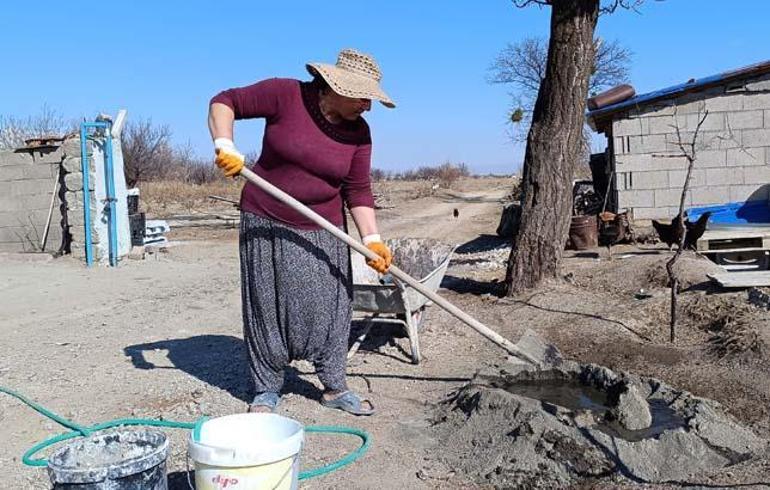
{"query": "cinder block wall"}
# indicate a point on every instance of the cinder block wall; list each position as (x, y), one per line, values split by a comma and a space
(72, 198)
(732, 152)
(27, 182)
(27, 179)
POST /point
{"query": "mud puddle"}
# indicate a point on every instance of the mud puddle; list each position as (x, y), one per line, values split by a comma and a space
(575, 396)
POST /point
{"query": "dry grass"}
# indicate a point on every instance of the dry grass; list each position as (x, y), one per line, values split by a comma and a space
(164, 198)
(445, 174)
(714, 312)
(412, 189)
(733, 322)
(737, 336)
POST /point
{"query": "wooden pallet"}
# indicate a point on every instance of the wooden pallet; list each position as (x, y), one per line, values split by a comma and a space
(741, 279)
(729, 240)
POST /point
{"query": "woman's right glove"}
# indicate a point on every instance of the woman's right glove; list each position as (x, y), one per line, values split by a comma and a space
(374, 243)
(229, 159)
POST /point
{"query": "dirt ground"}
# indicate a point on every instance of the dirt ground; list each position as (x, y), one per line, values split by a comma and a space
(161, 337)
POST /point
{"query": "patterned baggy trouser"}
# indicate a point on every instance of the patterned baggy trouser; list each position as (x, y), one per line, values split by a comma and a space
(296, 290)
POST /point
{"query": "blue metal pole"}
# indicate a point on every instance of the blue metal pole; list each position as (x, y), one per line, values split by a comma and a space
(86, 194)
(111, 200)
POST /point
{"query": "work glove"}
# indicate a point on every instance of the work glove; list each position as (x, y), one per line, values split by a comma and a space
(374, 243)
(229, 159)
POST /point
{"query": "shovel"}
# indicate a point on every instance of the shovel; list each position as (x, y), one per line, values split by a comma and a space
(530, 349)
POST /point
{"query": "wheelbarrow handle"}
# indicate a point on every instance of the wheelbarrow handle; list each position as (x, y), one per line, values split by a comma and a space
(359, 247)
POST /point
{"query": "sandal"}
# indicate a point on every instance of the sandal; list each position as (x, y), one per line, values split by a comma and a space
(349, 402)
(267, 399)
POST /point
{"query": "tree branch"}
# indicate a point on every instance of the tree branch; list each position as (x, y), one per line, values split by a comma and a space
(523, 64)
(524, 3)
(611, 6)
(690, 154)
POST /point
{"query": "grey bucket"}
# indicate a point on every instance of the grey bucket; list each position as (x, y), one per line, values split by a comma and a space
(121, 460)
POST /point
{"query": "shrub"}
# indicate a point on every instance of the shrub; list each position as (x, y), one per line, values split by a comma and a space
(147, 152)
(14, 130)
(199, 172)
(445, 174)
(148, 156)
(378, 175)
(448, 173)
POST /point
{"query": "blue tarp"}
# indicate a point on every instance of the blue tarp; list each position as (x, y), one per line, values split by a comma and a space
(743, 213)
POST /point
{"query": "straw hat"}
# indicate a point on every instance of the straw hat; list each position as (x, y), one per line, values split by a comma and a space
(355, 75)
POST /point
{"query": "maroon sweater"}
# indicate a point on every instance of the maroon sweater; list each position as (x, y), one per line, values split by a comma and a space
(318, 163)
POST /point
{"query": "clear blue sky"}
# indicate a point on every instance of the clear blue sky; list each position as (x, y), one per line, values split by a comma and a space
(165, 59)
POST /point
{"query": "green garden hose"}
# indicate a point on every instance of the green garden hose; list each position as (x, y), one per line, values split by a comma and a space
(81, 431)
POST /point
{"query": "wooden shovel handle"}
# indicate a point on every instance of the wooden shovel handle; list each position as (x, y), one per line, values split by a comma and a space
(487, 332)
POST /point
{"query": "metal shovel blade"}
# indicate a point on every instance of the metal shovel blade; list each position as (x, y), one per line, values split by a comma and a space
(545, 354)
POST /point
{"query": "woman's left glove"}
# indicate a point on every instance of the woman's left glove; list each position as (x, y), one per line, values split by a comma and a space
(229, 159)
(374, 243)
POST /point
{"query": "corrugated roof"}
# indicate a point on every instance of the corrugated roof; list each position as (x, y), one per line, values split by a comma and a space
(692, 85)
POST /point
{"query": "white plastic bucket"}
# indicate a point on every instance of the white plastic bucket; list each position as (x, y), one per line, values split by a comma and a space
(247, 451)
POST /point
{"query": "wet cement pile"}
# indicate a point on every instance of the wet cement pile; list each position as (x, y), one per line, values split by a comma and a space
(572, 423)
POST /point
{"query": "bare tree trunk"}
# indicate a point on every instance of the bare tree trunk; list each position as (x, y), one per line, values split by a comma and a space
(689, 152)
(673, 279)
(553, 146)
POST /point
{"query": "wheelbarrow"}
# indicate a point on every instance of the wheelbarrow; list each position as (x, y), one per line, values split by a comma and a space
(530, 349)
(386, 299)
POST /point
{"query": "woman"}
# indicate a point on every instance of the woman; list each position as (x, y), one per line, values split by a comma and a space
(295, 277)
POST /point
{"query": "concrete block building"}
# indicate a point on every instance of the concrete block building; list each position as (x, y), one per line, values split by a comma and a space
(42, 198)
(732, 146)
(39, 189)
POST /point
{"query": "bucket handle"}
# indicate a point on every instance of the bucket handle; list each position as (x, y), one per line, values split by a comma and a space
(196, 433)
(187, 462)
